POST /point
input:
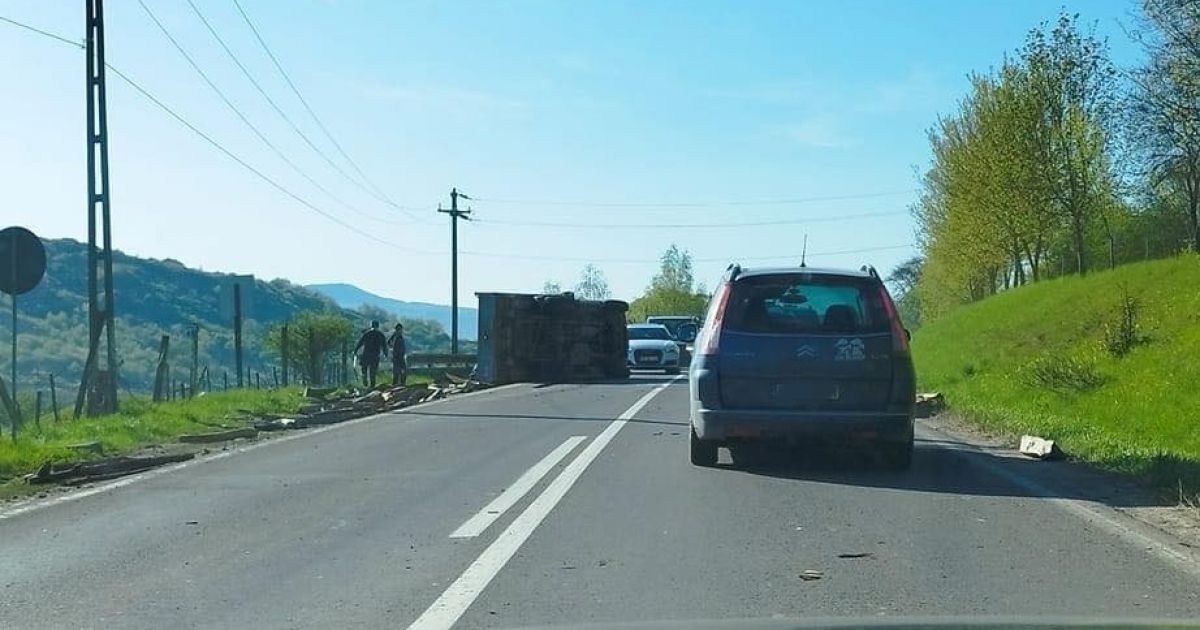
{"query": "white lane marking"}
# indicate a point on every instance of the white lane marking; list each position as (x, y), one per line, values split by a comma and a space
(450, 606)
(509, 497)
(1106, 518)
(39, 504)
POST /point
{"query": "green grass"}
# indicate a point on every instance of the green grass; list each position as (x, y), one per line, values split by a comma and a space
(140, 423)
(1035, 360)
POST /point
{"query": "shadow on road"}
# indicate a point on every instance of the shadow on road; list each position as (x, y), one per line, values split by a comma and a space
(518, 416)
(949, 467)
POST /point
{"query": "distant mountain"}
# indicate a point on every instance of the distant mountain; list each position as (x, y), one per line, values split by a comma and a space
(352, 297)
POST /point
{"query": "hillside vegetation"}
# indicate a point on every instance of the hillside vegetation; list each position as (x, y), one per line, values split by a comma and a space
(155, 298)
(1105, 364)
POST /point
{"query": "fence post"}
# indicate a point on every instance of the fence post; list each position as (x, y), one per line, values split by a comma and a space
(37, 411)
(286, 351)
(225, 375)
(54, 398)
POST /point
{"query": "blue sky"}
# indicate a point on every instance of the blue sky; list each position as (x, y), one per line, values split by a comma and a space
(550, 114)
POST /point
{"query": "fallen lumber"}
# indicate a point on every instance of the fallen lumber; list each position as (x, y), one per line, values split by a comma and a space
(219, 436)
(107, 468)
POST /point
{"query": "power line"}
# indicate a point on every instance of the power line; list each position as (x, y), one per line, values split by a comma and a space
(203, 75)
(274, 184)
(690, 225)
(721, 259)
(41, 32)
(275, 106)
(699, 204)
(370, 187)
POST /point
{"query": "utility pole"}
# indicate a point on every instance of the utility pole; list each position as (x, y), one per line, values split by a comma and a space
(99, 385)
(455, 215)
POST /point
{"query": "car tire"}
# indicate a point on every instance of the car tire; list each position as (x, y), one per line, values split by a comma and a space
(897, 456)
(702, 452)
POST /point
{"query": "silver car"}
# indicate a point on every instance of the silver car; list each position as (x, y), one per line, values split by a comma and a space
(651, 347)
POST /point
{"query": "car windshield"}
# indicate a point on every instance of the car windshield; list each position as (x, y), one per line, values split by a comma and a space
(469, 315)
(649, 332)
(806, 303)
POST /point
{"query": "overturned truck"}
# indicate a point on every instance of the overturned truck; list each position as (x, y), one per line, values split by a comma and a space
(555, 338)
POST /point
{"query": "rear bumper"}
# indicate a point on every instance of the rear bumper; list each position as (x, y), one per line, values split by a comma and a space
(724, 424)
(664, 364)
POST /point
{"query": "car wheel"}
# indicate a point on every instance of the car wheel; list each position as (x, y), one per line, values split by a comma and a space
(897, 455)
(702, 452)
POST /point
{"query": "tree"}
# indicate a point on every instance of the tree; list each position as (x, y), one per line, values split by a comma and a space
(1165, 104)
(592, 284)
(370, 312)
(1076, 85)
(675, 271)
(672, 290)
(313, 339)
(551, 287)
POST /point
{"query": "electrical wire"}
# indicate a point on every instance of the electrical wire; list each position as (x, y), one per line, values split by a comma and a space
(687, 225)
(275, 106)
(370, 187)
(697, 204)
(274, 184)
(253, 128)
(495, 255)
(721, 259)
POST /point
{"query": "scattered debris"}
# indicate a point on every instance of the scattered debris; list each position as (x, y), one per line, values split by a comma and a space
(810, 575)
(219, 436)
(100, 470)
(930, 404)
(1040, 448)
(864, 554)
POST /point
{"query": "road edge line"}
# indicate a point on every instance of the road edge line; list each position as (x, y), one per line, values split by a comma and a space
(1105, 517)
(35, 505)
(450, 606)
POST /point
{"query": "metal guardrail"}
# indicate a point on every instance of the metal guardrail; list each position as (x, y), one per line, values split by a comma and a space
(434, 361)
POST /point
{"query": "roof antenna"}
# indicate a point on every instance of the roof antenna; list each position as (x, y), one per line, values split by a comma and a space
(804, 252)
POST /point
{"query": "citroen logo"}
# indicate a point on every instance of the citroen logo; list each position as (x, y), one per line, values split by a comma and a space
(806, 352)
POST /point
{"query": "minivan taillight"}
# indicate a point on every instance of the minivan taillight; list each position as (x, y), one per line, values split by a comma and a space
(712, 336)
(899, 335)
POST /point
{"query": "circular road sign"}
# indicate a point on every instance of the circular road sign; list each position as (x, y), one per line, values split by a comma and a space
(22, 260)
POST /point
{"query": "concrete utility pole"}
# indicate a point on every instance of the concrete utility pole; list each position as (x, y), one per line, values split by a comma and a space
(99, 384)
(455, 215)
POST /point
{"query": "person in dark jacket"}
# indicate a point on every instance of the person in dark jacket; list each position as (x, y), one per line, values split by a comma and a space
(372, 343)
(399, 350)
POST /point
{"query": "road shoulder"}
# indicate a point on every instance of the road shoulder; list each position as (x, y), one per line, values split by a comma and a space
(1085, 484)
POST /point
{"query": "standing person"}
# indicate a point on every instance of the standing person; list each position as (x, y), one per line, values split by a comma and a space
(372, 344)
(399, 350)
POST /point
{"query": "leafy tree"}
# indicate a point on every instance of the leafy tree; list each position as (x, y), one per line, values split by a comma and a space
(675, 271)
(672, 291)
(313, 340)
(370, 312)
(592, 284)
(551, 287)
(1165, 106)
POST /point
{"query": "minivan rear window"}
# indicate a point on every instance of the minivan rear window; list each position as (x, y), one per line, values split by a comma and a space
(806, 303)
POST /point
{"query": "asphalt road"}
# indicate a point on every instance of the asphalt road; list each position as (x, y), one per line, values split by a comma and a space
(403, 521)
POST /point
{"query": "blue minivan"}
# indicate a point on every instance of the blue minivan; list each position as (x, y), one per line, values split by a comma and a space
(801, 354)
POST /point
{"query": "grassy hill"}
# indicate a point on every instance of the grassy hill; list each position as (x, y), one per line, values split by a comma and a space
(1105, 364)
(153, 298)
(350, 296)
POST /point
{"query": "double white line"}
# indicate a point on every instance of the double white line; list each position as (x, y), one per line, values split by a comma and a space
(450, 606)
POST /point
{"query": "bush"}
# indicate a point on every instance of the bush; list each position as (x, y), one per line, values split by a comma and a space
(1123, 335)
(1063, 374)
